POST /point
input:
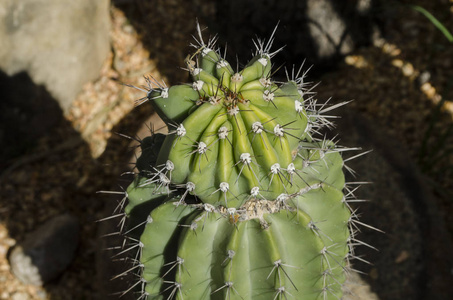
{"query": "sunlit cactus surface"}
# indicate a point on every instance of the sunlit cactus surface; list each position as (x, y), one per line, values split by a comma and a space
(243, 198)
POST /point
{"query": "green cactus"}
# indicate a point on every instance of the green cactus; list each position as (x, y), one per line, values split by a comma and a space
(240, 200)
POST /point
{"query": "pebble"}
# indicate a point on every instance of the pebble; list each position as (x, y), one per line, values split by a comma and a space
(41, 294)
(20, 296)
(46, 252)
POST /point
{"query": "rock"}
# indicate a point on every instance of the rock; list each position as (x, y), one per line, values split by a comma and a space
(46, 252)
(20, 296)
(27, 112)
(356, 289)
(319, 30)
(60, 44)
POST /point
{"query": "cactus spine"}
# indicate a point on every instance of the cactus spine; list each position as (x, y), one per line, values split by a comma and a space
(242, 201)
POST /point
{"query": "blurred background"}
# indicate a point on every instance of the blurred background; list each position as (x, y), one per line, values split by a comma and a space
(62, 103)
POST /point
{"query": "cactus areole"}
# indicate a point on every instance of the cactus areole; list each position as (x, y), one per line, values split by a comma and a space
(243, 201)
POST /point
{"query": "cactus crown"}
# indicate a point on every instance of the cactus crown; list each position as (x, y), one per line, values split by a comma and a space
(235, 135)
(242, 200)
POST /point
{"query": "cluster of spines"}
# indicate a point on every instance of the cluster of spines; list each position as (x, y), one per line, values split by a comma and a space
(159, 179)
(246, 160)
(133, 248)
(233, 216)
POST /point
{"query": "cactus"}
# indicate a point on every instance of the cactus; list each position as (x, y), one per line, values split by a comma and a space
(240, 200)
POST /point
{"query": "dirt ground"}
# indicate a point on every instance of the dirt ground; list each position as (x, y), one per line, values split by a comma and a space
(397, 83)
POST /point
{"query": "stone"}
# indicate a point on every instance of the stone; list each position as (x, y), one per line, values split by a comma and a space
(20, 296)
(60, 44)
(46, 252)
(319, 30)
(27, 112)
(357, 289)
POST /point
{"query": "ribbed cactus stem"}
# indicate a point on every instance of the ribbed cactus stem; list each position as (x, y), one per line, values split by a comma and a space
(240, 200)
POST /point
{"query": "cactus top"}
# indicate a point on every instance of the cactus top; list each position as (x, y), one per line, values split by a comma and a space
(234, 135)
(241, 201)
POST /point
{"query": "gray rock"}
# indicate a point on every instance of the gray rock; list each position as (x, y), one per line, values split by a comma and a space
(20, 296)
(46, 252)
(27, 112)
(319, 30)
(356, 289)
(60, 44)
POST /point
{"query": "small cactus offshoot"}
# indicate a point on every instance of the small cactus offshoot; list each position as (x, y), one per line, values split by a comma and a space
(241, 200)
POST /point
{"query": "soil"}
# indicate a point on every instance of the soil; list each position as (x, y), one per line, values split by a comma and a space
(397, 82)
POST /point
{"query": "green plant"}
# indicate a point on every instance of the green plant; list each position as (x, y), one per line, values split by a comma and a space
(434, 21)
(436, 154)
(242, 200)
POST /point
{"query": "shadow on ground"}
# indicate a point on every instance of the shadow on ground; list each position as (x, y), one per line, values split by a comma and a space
(47, 171)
